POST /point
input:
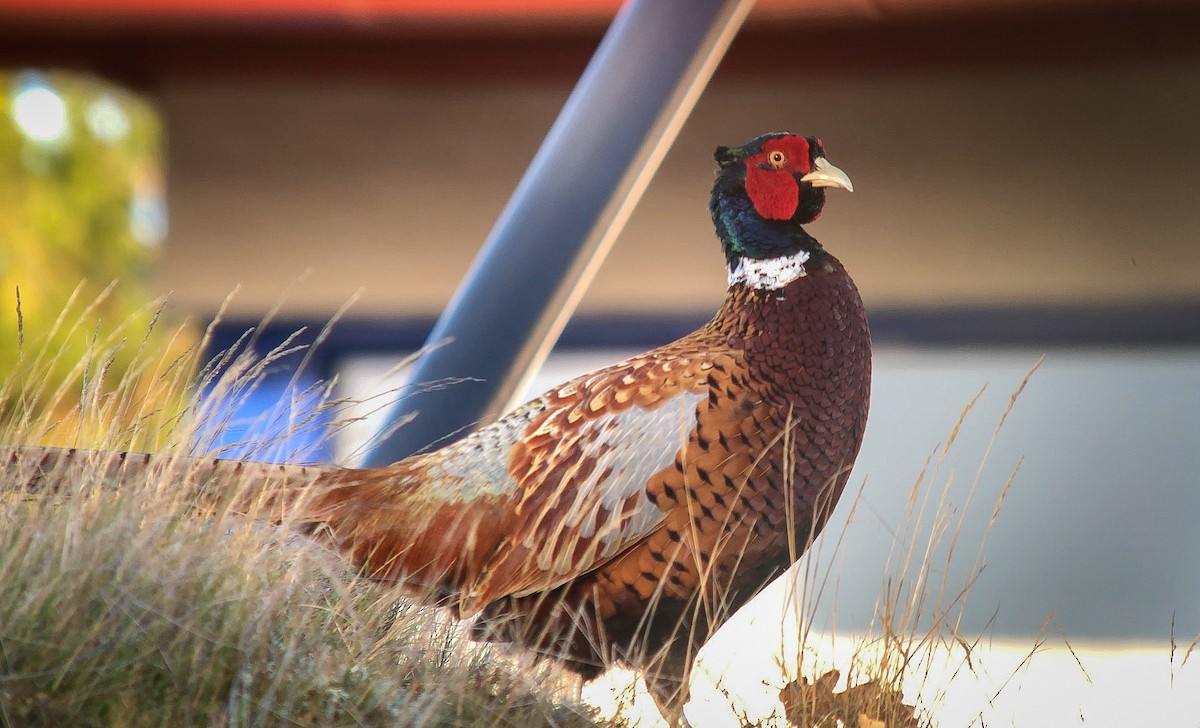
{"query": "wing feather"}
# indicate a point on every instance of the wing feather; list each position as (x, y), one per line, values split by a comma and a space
(583, 466)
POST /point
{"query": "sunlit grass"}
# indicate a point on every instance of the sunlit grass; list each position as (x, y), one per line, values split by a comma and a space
(132, 606)
(893, 674)
(129, 606)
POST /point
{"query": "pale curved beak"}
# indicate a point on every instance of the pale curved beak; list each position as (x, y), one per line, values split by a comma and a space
(825, 174)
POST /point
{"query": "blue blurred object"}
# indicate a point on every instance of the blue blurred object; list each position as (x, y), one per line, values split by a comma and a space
(279, 421)
(279, 414)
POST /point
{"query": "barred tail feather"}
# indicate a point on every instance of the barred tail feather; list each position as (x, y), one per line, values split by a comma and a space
(389, 521)
(264, 490)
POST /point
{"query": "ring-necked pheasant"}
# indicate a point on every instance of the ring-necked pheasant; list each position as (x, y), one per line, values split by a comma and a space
(622, 516)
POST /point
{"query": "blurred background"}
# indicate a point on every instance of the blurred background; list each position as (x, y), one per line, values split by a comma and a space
(1027, 184)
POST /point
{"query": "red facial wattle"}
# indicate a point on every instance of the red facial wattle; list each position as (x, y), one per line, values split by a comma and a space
(775, 194)
(772, 188)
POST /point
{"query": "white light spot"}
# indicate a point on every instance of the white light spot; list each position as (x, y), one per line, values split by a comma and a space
(107, 120)
(148, 214)
(38, 111)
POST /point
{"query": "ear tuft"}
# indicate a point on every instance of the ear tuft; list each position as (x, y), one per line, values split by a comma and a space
(724, 156)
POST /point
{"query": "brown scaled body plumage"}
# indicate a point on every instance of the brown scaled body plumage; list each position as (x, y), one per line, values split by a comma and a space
(784, 377)
(621, 517)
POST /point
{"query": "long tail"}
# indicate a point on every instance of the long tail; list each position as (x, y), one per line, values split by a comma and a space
(394, 523)
(238, 484)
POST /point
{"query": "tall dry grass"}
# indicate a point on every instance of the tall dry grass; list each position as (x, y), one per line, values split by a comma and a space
(917, 624)
(125, 606)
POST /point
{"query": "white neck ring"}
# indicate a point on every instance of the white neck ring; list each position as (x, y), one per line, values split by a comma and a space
(769, 274)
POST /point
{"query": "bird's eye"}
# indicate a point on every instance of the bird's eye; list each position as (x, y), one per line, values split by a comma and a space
(776, 159)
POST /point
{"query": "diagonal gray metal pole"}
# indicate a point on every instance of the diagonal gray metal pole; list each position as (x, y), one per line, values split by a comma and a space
(579, 190)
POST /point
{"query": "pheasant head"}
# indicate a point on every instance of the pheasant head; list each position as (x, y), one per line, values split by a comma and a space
(765, 191)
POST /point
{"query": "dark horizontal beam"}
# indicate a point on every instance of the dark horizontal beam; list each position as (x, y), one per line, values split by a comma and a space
(145, 54)
(1165, 324)
(1175, 324)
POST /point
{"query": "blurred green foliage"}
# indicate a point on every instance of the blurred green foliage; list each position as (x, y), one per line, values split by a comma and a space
(81, 214)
